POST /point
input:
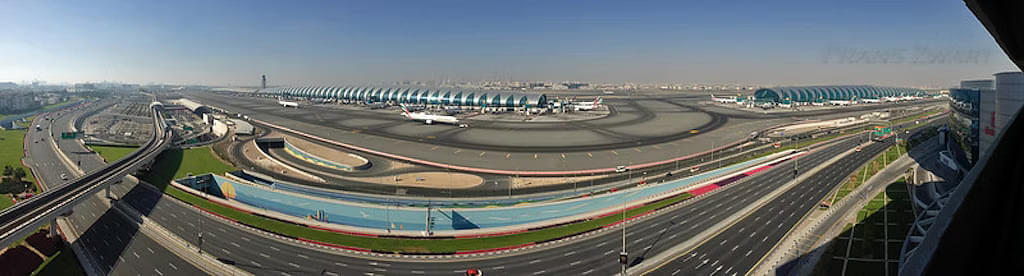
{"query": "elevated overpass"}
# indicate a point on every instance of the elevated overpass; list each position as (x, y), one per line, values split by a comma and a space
(24, 218)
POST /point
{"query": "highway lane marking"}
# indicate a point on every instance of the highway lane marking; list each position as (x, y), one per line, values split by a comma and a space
(734, 249)
(158, 271)
(435, 148)
(673, 236)
(264, 255)
(330, 273)
(563, 156)
(274, 248)
(120, 258)
(150, 250)
(374, 263)
(748, 253)
(569, 253)
(534, 156)
(293, 264)
(676, 272)
(535, 261)
(498, 267)
(416, 272)
(380, 269)
(236, 245)
(588, 272)
(172, 266)
(637, 150)
(602, 244)
(225, 251)
(539, 272)
(136, 255)
(615, 152)
(507, 155)
(605, 253)
(302, 256)
(482, 153)
(340, 264)
(458, 151)
(256, 264)
(575, 263)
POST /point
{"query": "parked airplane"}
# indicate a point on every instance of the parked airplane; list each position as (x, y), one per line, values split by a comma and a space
(428, 118)
(288, 104)
(840, 102)
(724, 100)
(584, 106)
(871, 100)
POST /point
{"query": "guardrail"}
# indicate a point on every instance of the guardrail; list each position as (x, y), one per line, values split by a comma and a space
(23, 218)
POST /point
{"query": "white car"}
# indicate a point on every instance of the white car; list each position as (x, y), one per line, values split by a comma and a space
(621, 169)
(64, 176)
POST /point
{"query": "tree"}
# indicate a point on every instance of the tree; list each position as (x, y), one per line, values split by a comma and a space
(19, 173)
(8, 170)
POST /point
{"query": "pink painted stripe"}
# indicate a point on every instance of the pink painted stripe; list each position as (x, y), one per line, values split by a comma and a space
(705, 189)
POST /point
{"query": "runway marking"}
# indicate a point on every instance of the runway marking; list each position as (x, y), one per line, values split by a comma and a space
(615, 152)
(563, 156)
(589, 155)
(482, 153)
(637, 150)
(508, 155)
(458, 151)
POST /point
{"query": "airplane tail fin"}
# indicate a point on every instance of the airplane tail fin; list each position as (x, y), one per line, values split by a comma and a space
(598, 101)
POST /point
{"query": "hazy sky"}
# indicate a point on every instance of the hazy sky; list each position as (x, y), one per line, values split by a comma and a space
(792, 42)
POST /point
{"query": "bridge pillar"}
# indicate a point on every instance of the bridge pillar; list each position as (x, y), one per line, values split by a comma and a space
(108, 190)
(53, 228)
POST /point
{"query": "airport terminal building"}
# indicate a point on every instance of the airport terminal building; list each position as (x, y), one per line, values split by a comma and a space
(415, 95)
(806, 94)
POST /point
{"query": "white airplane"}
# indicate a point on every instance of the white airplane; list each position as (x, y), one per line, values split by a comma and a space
(891, 99)
(840, 102)
(428, 118)
(871, 100)
(723, 100)
(908, 98)
(584, 106)
(288, 104)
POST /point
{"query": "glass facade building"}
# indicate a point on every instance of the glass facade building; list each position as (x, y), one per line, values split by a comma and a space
(827, 93)
(415, 95)
(964, 122)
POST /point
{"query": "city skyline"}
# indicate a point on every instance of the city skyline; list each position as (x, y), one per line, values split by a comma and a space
(923, 43)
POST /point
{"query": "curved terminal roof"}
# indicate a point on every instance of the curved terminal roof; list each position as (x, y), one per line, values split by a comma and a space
(826, 93)
(416, 95)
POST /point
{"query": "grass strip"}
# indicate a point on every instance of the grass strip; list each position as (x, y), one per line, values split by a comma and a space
(113, 153)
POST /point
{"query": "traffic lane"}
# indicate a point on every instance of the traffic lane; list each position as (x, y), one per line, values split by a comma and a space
(555, 257)
(112, 235)
(768, 223)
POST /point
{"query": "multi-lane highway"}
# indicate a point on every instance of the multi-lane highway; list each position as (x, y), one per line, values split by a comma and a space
(738, 248)
(256, 253)
(114, 245)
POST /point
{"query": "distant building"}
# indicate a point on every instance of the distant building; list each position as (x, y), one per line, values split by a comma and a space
(807, 94)
(416, 95)
(264, 83)
(14, 102)
(6, 85)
